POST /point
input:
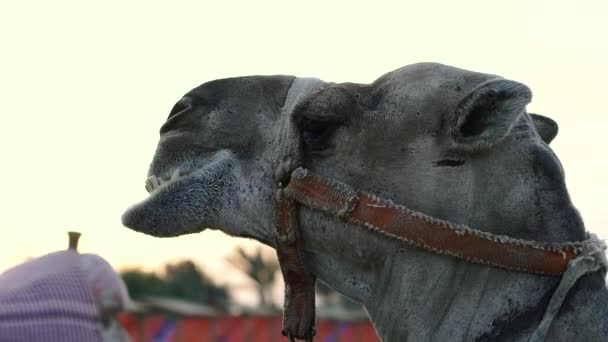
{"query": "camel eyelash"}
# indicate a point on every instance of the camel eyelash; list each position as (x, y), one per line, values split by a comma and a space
(449, 162)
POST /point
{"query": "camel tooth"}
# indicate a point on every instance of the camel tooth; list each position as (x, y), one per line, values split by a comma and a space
(149, 186)
(152, 183)
(156, 181)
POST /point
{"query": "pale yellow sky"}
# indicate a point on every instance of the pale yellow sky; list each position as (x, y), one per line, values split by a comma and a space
(86, 85)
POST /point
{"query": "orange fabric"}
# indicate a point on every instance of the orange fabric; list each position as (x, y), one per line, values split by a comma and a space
(240, 329)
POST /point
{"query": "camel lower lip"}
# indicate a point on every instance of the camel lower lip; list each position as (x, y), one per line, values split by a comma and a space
(183, 204)
(169, 208)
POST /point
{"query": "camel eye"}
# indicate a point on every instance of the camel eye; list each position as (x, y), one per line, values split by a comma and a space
(449, 162)
(317, 133)
(313, 132)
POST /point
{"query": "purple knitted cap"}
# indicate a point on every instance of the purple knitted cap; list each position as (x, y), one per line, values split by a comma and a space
(48, 299)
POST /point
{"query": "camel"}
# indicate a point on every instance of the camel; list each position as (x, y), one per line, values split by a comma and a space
(453, 144)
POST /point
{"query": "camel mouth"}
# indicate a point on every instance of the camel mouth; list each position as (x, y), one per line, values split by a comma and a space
(184, 200)
(155, 183)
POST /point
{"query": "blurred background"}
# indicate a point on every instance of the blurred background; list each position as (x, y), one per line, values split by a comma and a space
(85, 87)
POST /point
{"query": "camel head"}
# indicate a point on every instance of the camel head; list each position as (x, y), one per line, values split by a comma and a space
(450, 143)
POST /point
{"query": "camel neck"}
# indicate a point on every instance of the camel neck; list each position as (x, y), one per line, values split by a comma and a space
(449, 300)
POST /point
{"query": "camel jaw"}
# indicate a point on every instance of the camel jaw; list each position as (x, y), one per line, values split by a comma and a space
(186, 202)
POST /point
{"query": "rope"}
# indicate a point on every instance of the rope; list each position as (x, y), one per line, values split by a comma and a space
(590, 259)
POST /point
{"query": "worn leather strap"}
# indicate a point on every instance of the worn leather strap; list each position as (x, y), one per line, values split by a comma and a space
(299, 302)
(443, 237)
(299, 307)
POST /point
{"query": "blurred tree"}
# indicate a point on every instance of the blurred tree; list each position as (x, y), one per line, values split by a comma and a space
(143, 284)
(186, 281)
(183, 280)
(262, 270)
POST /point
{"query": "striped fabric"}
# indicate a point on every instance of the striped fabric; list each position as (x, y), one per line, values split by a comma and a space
(48, 299)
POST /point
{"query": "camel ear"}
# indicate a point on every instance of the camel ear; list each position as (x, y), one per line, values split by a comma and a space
(546, 128)
(487, 114)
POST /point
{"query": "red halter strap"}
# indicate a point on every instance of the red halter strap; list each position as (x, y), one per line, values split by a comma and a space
(419, 230)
